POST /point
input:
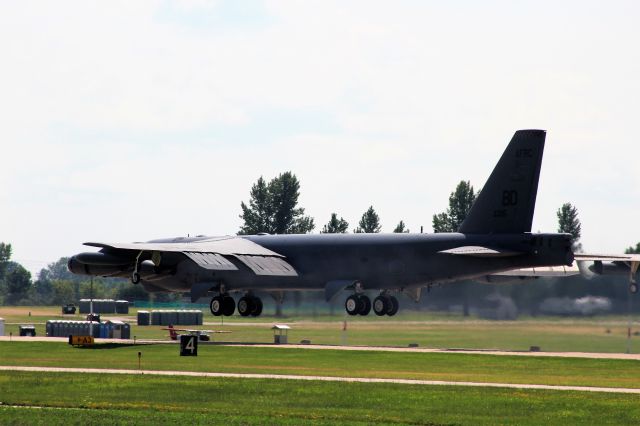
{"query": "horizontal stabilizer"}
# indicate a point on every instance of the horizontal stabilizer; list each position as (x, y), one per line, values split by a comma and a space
(545, 271)
(607, 257)
(478, 251)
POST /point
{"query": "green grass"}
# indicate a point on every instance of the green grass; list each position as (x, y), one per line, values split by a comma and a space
(326, 362)
(89, 398)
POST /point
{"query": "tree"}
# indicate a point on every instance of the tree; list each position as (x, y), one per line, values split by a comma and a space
(257, 216)
(5, 256)
(273, 208)
(58, 271)
(460, 202)
(335, 225)
(18, 282)
(401, 228)
(369, 223)
(569, 223)
(633, 250)
(63, 292)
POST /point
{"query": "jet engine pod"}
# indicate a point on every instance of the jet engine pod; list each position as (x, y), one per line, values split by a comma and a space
(100, 258)
(77, 267)
(149, 271)
(602, 268)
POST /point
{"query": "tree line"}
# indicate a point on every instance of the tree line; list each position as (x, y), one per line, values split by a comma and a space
(272, 208)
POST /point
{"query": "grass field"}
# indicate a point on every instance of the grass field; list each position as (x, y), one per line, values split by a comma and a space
(326, 362)
(600, 334)
(64, 398)
(88, 399)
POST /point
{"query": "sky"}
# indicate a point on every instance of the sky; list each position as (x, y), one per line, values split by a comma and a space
(126, 121)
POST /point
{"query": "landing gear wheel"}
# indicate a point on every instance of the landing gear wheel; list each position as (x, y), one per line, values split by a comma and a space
(381, 305)
(258, 307)
(246, 305)
(228, 306)
(135, 278)
(633, 288)
(393, 306)
(216, 306)
(353, 305)
(366, 305)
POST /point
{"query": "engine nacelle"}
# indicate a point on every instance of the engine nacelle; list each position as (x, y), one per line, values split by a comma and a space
(602, 268)
(81, 268)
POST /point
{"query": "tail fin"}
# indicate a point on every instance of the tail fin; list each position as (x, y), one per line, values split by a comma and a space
(506, 203)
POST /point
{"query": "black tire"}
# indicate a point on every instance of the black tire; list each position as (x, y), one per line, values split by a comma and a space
(245, 306)
(258, 307)
(135, 278)
(366, 305)
(216, 306)
(353, 305)
(393, 306)
(381, 305)
(228, 306)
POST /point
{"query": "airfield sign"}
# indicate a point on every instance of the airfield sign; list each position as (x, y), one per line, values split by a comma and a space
(188, 345)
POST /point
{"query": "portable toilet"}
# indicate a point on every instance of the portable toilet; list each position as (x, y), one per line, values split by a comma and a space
(126, 331)
(280, 332)
(1, 326)
(155, 318)
(84, 306)
(122, 307)
(116, 329)
(172, 317)
(198, 317)
(143, 318)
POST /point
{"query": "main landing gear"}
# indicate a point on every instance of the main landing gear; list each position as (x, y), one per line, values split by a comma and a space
(385, 304)
(360, 304)
(249, 305)
(223, 304)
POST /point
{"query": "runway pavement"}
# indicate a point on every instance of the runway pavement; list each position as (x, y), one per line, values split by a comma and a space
(320, 378)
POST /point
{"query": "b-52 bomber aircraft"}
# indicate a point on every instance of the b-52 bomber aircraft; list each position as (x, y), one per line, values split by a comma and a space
(493, 244)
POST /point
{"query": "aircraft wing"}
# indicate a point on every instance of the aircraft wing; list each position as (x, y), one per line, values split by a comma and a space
(210, 254)
(230, 245)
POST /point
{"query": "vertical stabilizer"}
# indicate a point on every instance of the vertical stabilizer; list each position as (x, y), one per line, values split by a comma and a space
(507, 201)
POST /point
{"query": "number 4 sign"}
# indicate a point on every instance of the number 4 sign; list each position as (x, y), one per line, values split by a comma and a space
(188, 345)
